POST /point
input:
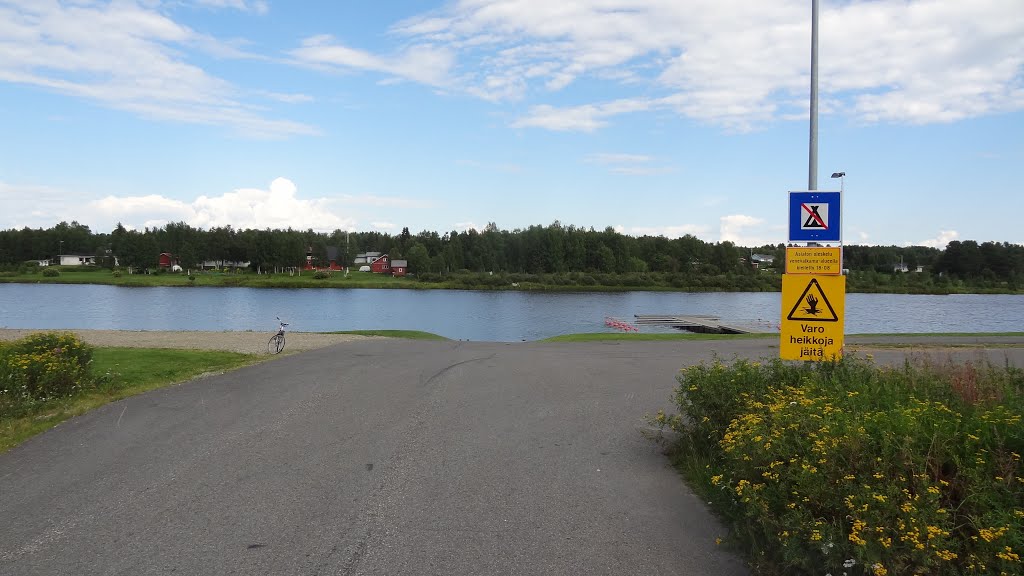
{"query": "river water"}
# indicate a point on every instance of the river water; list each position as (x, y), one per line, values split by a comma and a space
(466, 315)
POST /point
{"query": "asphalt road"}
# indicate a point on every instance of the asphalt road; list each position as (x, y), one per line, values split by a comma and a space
(376, 457)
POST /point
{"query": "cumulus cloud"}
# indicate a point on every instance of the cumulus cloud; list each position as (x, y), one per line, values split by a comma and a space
(139, 63)
(733, 63)
(276, 207)
(940, 241)
(745, 231)
(466, 226)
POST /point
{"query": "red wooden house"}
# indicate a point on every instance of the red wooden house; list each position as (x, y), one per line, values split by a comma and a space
(167, 260)
(399, 267)
(381, 265)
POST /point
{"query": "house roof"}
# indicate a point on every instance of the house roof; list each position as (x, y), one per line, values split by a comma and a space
(399, 264)
(332, 252)
(762, 258)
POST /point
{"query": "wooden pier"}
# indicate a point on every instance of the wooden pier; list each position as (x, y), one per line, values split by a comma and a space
(700, 324)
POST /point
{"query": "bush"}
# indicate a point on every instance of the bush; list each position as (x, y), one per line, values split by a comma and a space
(41, 367)
(848, 467)
(116, 273)
(321, 275)
(51, 272)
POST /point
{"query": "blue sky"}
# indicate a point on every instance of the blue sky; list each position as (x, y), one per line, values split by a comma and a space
(651, 116)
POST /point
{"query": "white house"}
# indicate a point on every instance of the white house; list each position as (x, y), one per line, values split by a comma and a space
(77, 259)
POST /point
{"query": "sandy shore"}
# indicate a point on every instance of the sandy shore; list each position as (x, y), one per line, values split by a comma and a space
(244, 342)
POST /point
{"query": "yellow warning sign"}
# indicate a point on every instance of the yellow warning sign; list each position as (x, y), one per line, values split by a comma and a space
(812, 317)
(819, 260)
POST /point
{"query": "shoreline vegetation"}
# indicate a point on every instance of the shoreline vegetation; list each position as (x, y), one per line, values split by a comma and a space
(550, 258)
(767, 281)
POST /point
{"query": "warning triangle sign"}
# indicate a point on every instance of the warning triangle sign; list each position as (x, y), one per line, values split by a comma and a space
(813, 305)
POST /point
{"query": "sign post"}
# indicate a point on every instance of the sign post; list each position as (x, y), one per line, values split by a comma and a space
(813, 287)
(813, 308)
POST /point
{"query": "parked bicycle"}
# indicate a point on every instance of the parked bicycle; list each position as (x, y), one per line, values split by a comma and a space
(276, 343)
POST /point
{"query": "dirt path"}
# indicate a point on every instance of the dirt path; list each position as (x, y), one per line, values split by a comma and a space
(244, 342)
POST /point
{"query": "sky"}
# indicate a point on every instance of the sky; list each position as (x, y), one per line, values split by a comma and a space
(661, 117)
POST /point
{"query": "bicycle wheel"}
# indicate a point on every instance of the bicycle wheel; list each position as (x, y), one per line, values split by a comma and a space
(276, 344)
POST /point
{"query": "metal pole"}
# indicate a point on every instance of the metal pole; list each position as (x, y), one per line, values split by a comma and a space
(812, 168)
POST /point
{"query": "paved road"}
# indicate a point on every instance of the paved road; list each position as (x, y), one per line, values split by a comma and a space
(375, 457)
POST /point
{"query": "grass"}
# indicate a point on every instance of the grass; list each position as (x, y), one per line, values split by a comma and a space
(123, 372)
(217, 279)
(407, 334)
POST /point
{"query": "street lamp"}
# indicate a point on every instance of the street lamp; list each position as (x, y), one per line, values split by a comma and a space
(842, 179)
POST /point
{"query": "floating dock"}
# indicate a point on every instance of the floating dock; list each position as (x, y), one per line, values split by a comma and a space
(702, 324)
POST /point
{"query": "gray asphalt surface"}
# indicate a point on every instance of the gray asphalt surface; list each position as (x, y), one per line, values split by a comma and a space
(377, 457)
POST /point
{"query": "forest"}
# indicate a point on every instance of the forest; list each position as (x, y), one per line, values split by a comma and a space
(556, 255)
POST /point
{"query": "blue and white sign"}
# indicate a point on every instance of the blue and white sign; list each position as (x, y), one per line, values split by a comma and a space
(815, 217)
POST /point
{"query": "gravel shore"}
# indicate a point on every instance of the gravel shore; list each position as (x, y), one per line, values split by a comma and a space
(243, 342)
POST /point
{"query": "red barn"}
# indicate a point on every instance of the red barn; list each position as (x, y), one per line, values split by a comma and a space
(166, 260)
(399, 267)
(381, 265)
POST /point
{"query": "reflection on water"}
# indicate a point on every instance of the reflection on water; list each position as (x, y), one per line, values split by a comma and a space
(466, 315)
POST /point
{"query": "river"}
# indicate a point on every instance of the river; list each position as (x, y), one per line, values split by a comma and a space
(466, 315)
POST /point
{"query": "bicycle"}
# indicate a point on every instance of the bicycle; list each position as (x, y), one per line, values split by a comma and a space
(276, 343)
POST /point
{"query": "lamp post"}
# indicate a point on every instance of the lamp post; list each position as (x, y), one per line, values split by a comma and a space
(812, 163)
(842, 179)
(60, 251)
(842, 199)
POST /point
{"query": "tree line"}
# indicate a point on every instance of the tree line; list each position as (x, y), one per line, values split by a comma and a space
(555, 249)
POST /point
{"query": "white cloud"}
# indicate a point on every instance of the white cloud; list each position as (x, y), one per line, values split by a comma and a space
(383, 226)
(138, 63)
(677, 231)
(940, 241)
(733, 63)
(33, 206)
(505, 168)
(617, 158)
(257, 6)
(421, 63)
(628, 164)
(277, 207)
(466, 226)
(746, 230)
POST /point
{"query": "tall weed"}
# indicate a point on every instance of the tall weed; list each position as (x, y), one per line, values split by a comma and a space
(848, 467)
(41, 367)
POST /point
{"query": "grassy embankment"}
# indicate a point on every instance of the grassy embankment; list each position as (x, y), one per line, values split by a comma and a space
(113, 374)
(766, 281)
(853, 468)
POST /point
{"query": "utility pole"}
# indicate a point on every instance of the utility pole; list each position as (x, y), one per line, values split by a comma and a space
(812, 168)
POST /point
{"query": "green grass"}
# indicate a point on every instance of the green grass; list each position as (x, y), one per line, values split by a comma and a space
(124, 372)
(407, 334)
(635, 336)
(218, 279)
